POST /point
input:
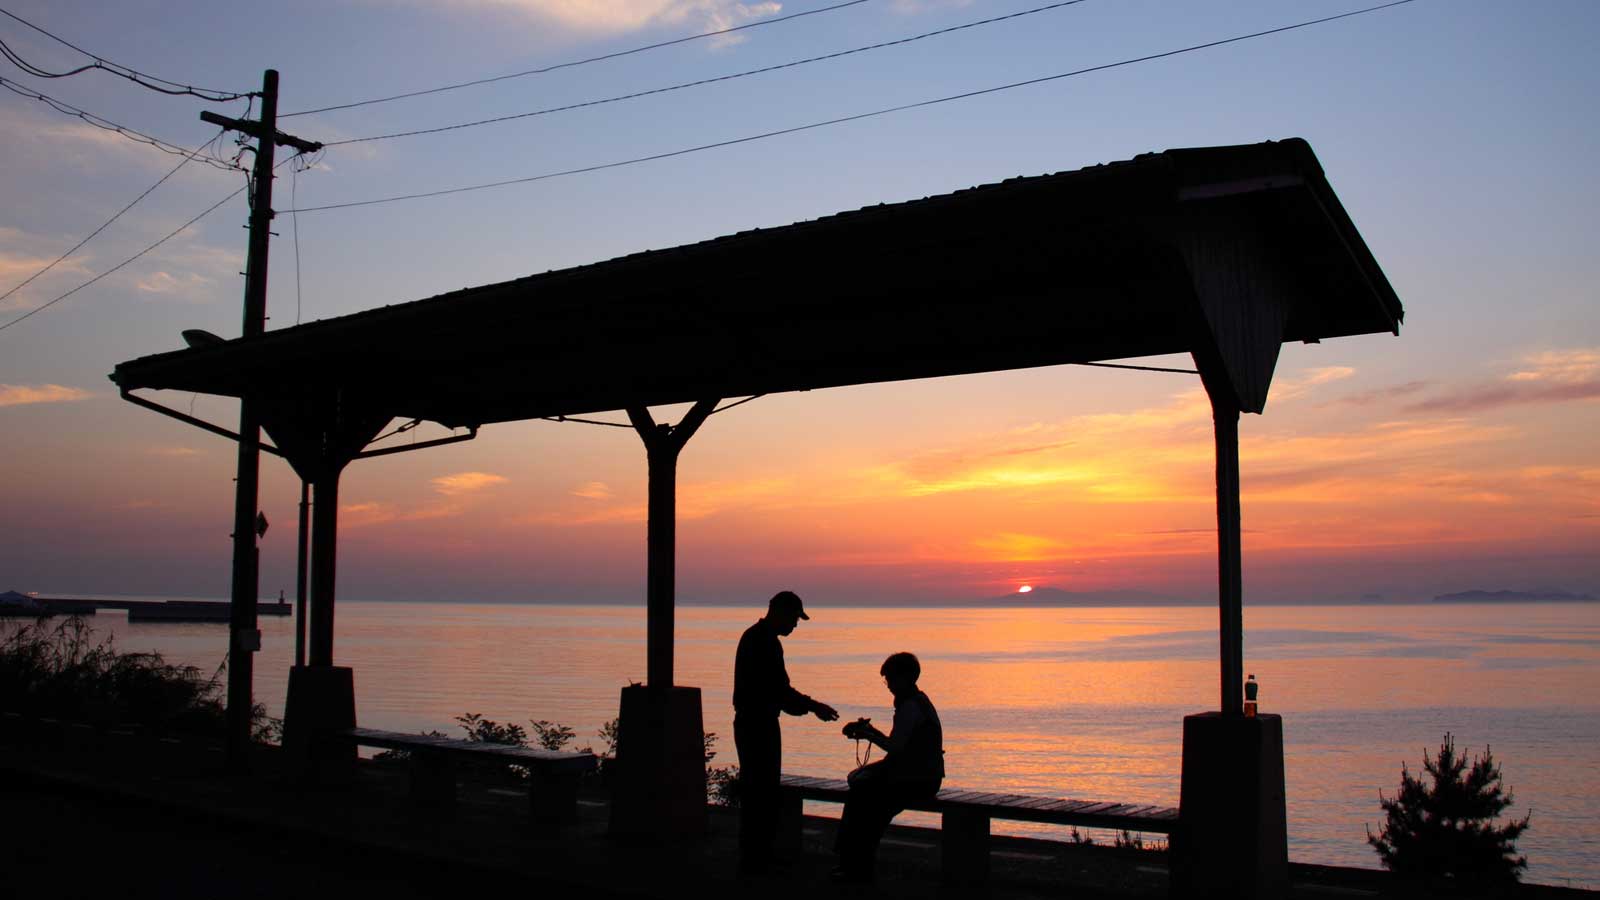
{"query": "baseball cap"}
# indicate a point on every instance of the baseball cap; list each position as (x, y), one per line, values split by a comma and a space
(787, 602)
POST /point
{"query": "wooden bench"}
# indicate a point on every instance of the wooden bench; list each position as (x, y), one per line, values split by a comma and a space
(553, 775)
(964, 830)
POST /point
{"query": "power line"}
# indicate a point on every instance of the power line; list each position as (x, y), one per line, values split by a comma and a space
(173, 88)
(102, 122)
(844, 119)
(704, 81)
(79, 245)
(585, 421)
(579, 62)
(31, 69)
(174, 233)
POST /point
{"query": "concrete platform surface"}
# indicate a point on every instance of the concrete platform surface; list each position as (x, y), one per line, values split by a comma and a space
(136, 817)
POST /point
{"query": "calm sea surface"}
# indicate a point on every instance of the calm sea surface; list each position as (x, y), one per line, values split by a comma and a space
(1085, 703)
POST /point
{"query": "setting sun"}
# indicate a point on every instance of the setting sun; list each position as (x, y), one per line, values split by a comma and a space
(1025, 589)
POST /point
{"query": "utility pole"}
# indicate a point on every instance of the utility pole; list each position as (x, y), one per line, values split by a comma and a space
(244, 635)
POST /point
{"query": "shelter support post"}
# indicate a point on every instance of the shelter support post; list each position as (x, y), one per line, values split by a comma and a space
(321, 698)
(320, 436)
(1230, 558)
(1232, 839)
(661, 789)
(301, 561)
(324, 567)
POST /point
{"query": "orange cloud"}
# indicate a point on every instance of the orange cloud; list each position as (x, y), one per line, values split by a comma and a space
(1085, 454)
(24, 394)
(695, 501)
(466, 482)
(361, 515)
(1287, 389)
(1021, 547)
(594, 490)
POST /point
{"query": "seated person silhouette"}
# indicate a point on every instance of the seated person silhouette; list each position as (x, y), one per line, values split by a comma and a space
(909, 773)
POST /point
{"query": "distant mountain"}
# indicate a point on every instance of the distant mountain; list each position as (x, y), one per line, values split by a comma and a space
(1515, 597)
(1049, 596)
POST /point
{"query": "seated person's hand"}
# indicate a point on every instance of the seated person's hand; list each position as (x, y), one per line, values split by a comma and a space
(825, 712)
(858, 730)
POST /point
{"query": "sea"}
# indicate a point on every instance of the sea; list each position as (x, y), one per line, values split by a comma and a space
(1085, 703)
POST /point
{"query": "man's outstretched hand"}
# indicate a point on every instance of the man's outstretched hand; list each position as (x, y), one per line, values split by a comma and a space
(825, 712)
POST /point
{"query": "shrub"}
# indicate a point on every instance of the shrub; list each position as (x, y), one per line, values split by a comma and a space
(722, 782)
(60, 670)
(491, 732)
(609, 733)
(552, 735)
(1446, 830)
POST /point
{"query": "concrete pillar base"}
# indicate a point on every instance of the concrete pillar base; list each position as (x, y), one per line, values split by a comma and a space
(1232, 840)
(661, 771)
(321, 703)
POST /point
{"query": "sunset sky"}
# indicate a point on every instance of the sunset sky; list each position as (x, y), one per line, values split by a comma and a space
(1460, 136)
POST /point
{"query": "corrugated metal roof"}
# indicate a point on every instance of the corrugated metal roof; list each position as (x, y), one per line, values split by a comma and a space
(1095, 264)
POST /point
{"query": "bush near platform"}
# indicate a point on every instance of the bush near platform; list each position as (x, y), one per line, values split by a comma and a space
(1445, 832)
(56, 669)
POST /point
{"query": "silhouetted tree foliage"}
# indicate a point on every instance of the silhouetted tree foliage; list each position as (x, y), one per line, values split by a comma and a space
(609, 733)
(60, 670)
(1446, 830)
(552, 735)
(722, 782)
(491, 732)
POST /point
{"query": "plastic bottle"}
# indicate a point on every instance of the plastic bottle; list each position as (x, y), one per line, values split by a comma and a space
(1250, 688)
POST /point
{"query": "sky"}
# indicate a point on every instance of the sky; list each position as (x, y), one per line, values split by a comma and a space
(1462, 454)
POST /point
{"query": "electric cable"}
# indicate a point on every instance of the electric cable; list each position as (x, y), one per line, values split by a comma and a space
(851, 118)
(713, 80)
(31, 69)
(91, 236)
(173, 88)
(174, 233)
(101, 122)
(586, 421)
(579, 62)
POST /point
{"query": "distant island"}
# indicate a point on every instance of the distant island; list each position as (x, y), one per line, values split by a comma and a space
(1515, 597)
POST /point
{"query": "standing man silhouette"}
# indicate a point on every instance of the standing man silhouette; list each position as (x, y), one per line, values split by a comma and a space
(761, 690)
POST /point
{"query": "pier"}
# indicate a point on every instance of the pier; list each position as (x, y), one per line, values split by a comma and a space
(145, 610)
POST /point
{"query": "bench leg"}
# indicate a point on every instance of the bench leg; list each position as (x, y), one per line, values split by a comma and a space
(964, 839)
(553, 799)
(791, 821)
(433, 782)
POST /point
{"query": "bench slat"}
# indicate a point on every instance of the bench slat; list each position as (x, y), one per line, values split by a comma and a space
(1037, 802)
(1015, 807)
(1065, 806)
